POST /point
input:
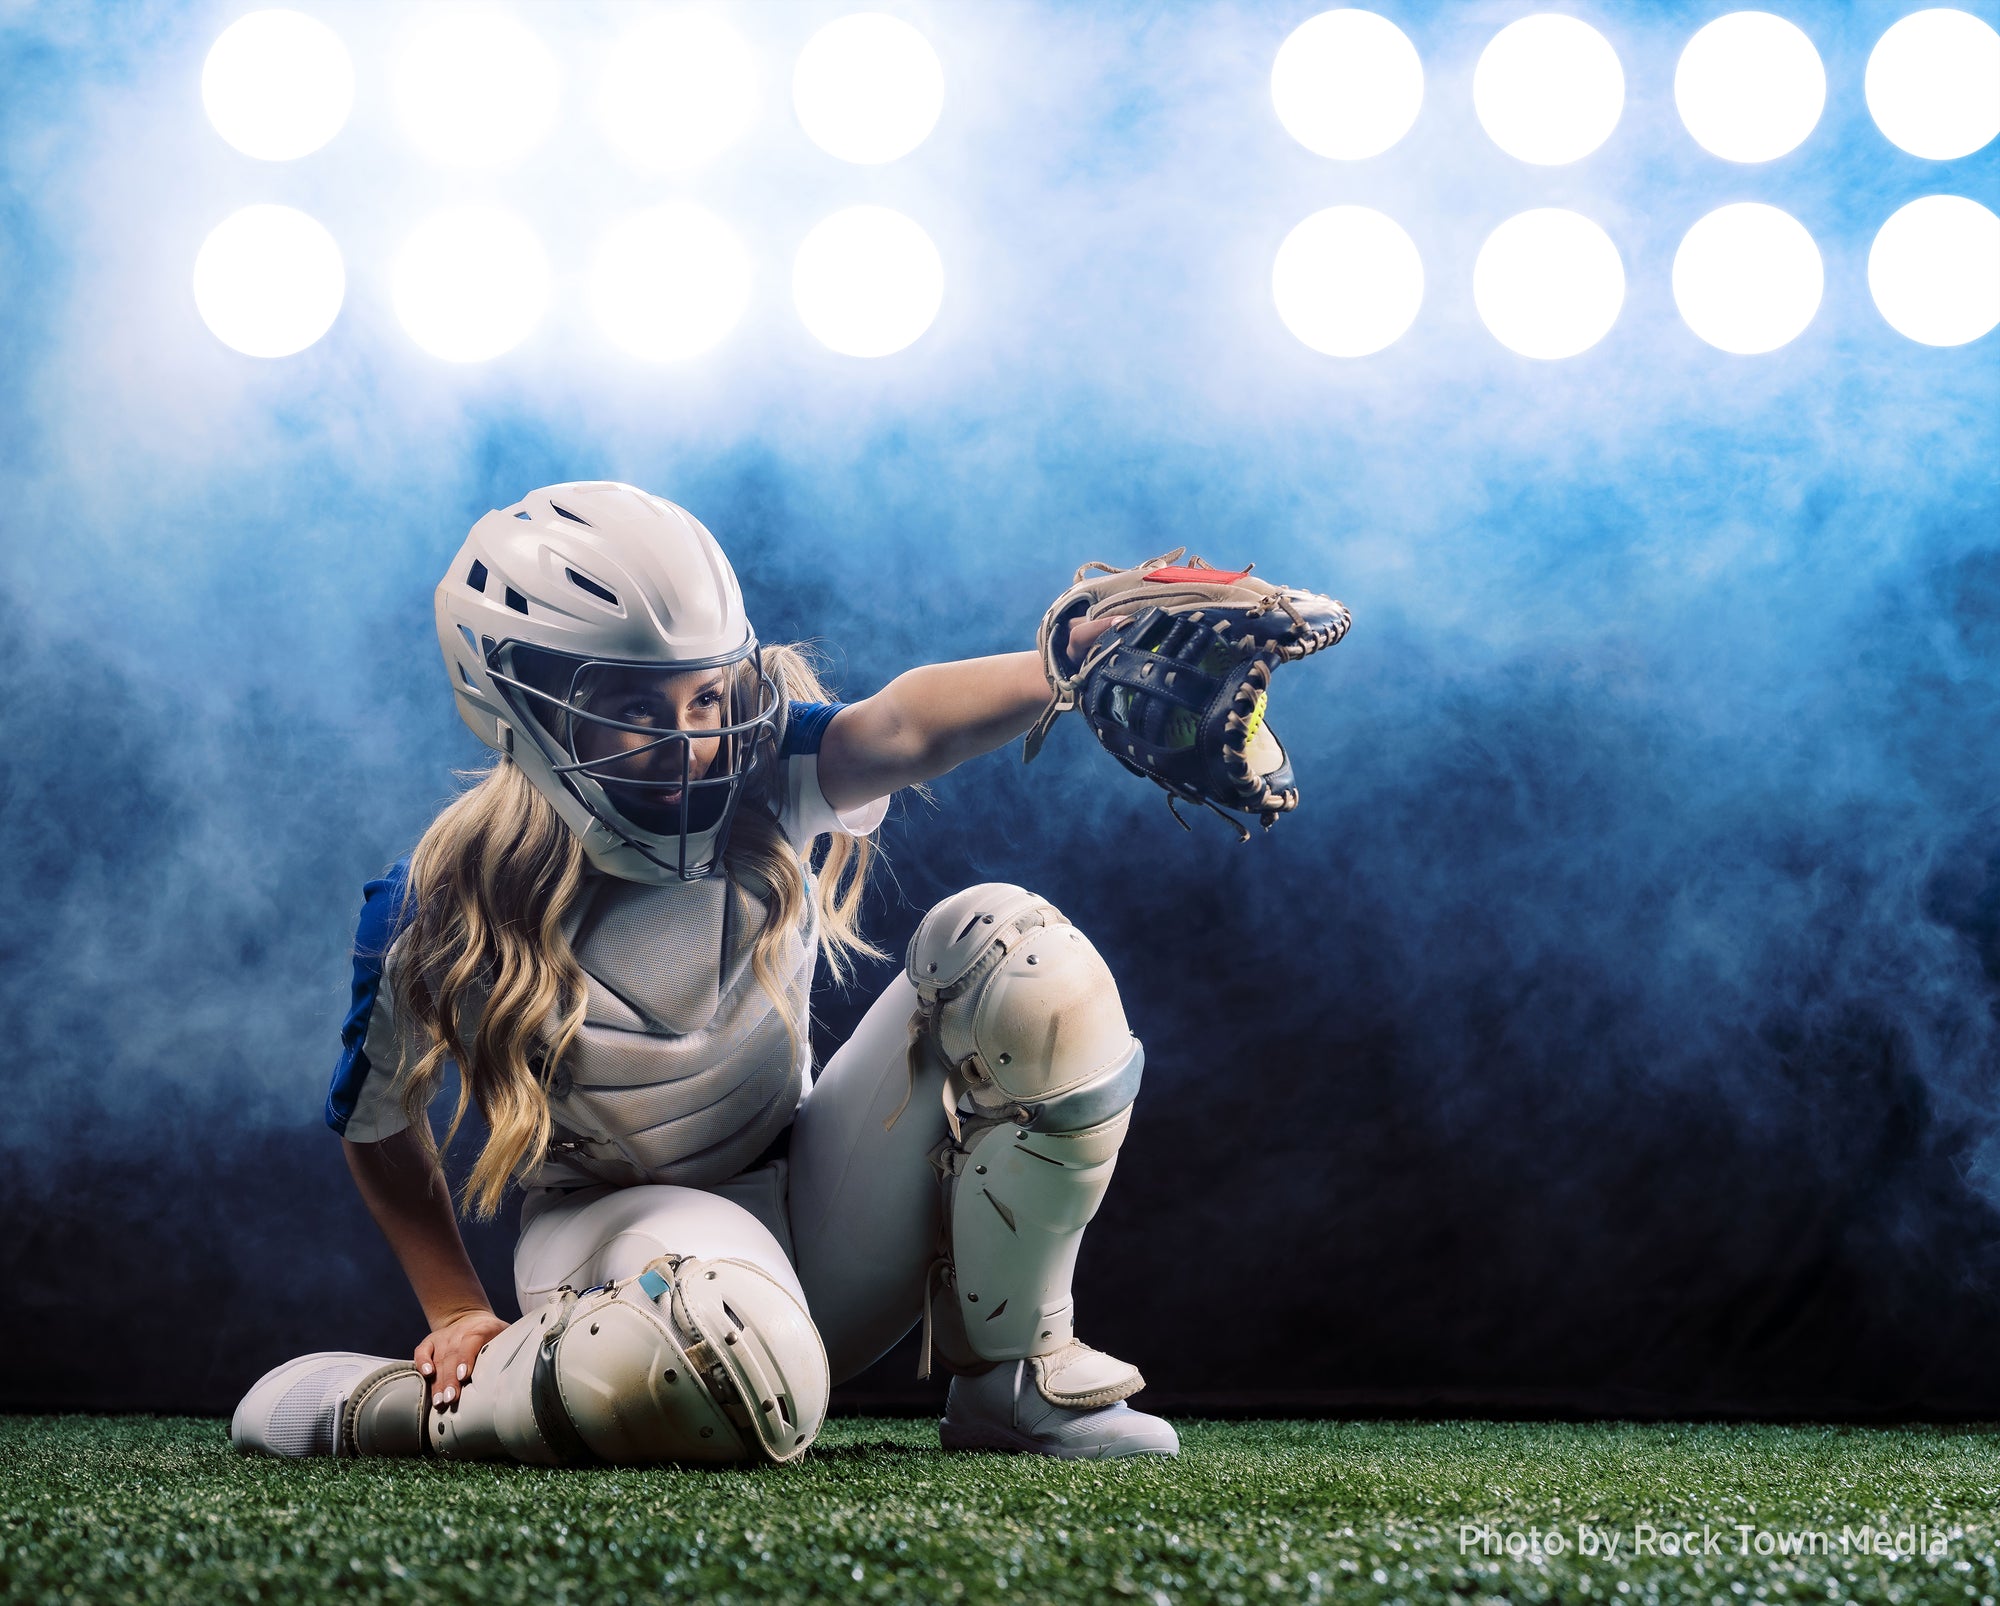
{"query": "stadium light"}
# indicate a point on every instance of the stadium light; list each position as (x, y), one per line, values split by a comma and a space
(1548, 89)
(1934, 270)
(1347, 84)
(867, 281)
(1548, 283)
(677, 91)
(868, 88)
(277, 85)
(1348, 281)
(1750, 87)
(1933, 84)
(470, 283)
(475, 89)
(1748, 278)
(670, 282)
(268, 281)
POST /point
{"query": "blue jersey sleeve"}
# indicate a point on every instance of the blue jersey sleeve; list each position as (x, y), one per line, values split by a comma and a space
(383, 915)
(805, 727)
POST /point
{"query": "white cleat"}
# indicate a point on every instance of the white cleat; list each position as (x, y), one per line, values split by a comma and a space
(1002, 1409)
(301, 1408)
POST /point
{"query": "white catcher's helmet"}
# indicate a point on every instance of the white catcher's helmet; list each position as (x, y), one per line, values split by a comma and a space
(581, 579)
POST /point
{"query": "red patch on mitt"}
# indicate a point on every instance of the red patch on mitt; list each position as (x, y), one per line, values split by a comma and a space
(1176, 574)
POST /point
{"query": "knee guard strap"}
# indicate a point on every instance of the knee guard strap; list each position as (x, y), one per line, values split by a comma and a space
(385, 1414)
(692, 1360)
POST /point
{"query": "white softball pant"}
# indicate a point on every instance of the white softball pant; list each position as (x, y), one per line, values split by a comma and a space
(850, 1222)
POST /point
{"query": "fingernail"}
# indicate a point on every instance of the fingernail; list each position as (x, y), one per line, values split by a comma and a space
(461, 1371)
(437, 1396)
(450, 1393)
(425, 1368)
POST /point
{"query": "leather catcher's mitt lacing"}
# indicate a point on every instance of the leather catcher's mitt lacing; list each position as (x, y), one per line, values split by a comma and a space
(1214, 657)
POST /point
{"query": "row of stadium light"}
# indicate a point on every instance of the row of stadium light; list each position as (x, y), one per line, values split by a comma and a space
(479, 89)
(472, 282)
(671, 282)
(1549, 88)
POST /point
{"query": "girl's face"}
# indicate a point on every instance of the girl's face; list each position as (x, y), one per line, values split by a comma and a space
(692, 700)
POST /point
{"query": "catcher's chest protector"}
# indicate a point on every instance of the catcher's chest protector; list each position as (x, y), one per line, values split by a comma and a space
(691, 1360)
(1024, 1017)
(683, 1071)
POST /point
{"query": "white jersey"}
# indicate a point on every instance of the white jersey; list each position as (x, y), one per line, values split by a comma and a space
(683, 1071)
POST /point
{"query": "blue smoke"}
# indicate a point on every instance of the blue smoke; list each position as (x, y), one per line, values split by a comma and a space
(1628, 970)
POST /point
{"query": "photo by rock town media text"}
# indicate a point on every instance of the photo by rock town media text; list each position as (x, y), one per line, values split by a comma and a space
(1728, 1539)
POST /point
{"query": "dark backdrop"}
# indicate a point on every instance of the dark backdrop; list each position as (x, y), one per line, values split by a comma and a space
(1613, 1028)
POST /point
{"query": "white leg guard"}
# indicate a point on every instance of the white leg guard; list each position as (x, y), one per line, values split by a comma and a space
(1023, 1015)
(691, 1360)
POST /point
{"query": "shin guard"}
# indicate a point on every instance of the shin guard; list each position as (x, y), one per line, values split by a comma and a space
(1024, 1017)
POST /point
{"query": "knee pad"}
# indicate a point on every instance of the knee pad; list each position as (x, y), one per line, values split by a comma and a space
(1024, 1016)
(692, 1360)
(1021, 1011)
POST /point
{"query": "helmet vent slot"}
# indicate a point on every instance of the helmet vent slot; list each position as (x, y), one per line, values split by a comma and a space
(525, 514)
(476, 576)
(565, 512)
(516, 601)
(462, 675)
(583, 582)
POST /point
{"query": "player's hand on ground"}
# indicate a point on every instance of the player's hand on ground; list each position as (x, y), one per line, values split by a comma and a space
(446, 1358)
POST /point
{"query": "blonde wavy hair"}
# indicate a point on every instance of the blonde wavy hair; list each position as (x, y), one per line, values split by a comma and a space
(490, 884)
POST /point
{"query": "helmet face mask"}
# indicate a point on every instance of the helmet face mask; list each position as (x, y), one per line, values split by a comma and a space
(620, 736)
(596, 635)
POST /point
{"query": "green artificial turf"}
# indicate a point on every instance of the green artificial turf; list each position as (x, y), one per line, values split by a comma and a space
(144, 1509)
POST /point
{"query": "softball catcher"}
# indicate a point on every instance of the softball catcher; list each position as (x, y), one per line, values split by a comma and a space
(614, 936)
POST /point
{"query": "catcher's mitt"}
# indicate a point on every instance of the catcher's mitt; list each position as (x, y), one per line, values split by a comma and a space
(1177, 691)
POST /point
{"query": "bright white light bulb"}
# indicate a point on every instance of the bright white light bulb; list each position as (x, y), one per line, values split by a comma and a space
(1934, 270)
(1348, 281)
(1548, 283)
(470, 283)
(868, 88)
(277, 85)
(474, 88)
(1750, 87)
(1548, 89)
(268, 281)
(1748, 278)
(670, 282)
(867, 281)
(677, 91)
(1933, 84)
(1347, 84)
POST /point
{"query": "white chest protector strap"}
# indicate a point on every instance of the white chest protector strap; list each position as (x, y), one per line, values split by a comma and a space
(691, 1360)
(1023, 1014)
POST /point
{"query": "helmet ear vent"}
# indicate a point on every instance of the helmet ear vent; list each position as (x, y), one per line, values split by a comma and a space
(476, 576)
(565, 512)
(583, 582)
(516, 601)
